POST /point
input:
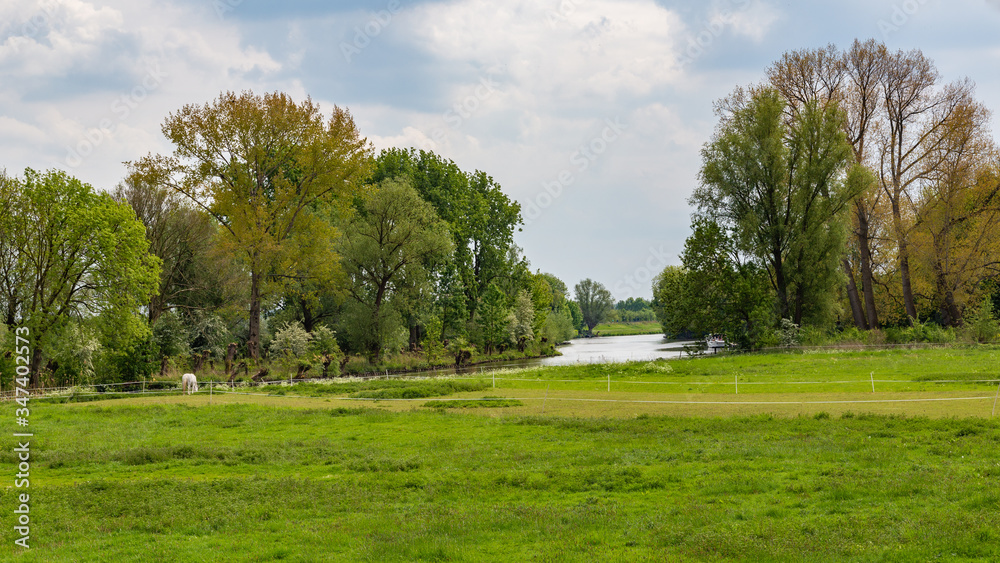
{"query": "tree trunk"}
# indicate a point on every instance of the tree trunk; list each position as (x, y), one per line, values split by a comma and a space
(253, 342)
(36, 367)
(230, 356)
(904, 262)
(780, 286)
(867, 278)
(852, 296)
(308, 320)
(950, 315)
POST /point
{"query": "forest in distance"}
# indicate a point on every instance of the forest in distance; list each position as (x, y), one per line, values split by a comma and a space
(849, 196)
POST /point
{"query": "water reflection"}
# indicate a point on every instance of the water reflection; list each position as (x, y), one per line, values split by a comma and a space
(613, 349)
(603, 350)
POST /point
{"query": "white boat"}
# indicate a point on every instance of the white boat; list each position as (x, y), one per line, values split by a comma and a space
(715, 342)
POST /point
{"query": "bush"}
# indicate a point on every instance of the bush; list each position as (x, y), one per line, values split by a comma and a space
(789, 334)
(919, 332)
(981, 325)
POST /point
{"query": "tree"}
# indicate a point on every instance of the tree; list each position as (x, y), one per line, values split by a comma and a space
(522, 318)
(957, 246)
(595, 302)
(851, 80)
(389, 246)
(493, 319)
(779, 186)
(183, 237)
(915, 114)
(718, 290)
(81, 254)
(481, 218)
(259, 165)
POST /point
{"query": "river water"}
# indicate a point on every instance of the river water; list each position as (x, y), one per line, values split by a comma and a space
(601, 350)
(613, 349)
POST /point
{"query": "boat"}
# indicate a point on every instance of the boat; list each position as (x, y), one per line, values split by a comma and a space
(715, 342)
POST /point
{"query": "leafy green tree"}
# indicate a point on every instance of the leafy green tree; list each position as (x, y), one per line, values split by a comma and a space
(390, 245)
(81, 254)
(541, 300)
(595, 302)
(575, 314)
(522, 318)
(182, 237)
(481, 218)
(778, 185)
(260, 165)
(493, 319)
(716, 291)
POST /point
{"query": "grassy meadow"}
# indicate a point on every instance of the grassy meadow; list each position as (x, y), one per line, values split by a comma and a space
(547, 465)
(628, 329)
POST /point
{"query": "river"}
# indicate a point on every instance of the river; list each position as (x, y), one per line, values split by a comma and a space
(601, 350)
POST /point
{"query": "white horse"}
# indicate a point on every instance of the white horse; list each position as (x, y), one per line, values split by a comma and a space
(189, 383)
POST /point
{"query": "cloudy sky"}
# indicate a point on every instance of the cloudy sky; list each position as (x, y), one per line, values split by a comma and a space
(590, 113)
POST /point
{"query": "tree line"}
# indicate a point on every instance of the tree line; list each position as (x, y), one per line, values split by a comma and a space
(273, 237)
(853, 188)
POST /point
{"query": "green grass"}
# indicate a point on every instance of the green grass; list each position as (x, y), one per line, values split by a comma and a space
(824, 371)
(485, 402)
(253, 483)
(628, 329)
(564, 471)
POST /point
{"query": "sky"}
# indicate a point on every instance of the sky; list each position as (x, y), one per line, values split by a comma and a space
(590, 113)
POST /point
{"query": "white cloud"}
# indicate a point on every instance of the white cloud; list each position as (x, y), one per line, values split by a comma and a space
(753, 19)
(87, 83)
(556, 54)
(46, 37)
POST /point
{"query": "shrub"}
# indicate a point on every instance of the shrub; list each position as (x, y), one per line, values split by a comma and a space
(981, 325)
(789, 334)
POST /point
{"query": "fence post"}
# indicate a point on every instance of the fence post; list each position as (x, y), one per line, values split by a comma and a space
(995, 402)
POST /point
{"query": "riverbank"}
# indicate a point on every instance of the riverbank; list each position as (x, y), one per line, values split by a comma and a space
(628, 329)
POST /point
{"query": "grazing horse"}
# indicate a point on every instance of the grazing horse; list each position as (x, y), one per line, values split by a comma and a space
(189, 383)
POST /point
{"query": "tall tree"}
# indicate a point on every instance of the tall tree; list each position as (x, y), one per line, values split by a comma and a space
(954, 233)
(482, 219)
(595, 302)
(388, 248)
(779, 186)
(915, 113)
(259, 165)
(182, 237)
(852, 80)
(83, 255)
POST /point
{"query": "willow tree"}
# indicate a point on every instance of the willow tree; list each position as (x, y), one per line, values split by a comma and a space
(261, 166)
(781, 187)
(391, 246)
